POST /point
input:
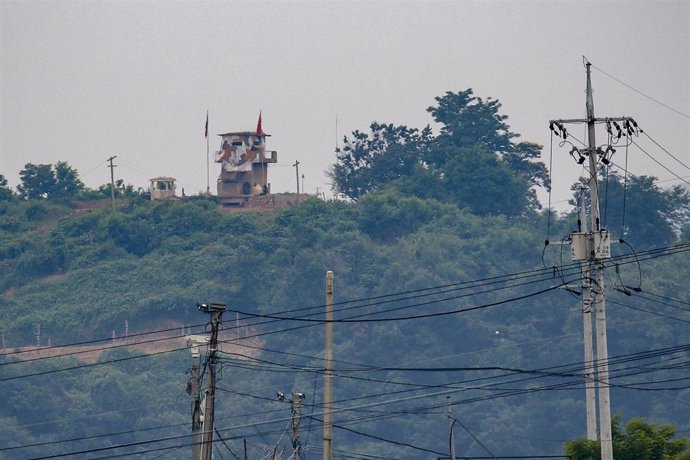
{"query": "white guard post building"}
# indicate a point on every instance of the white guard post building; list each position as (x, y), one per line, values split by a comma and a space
(162, 188)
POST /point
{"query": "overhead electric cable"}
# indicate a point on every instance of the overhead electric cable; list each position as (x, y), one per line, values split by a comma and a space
(660, 164)
(651, 254)
(662, 148)
(507, 393)
(619, 260)
(90, 342)
(669, 299)
(641, 93)
(95, 436)
(378, 438)
(403, 318)
(570, 370)
(82, 366)
(650, 312)
(574, 267)
(91, 350)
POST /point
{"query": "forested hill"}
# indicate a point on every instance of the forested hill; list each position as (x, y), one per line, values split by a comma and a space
(443, 299)
(81, 276)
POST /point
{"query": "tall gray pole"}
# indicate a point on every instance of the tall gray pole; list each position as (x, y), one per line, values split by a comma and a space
(451, 422)
(112, 181)
(590, 401)
(327, 376)
(593, 246)
(598, 241)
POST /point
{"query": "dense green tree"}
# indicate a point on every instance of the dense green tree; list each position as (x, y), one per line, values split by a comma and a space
(121, 189)
(640, 441)
(45, 181)
(67, 183)
(469, 121)
(386, 214)
(474, 162)
(37, 181)
(369, 161)
(482, 182)
(474, 128)
(6, 193)
(641, 212)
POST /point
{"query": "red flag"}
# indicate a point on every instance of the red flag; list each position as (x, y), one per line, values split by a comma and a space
(206, 128)
(259, 131)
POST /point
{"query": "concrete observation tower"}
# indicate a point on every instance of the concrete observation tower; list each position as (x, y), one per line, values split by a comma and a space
(244, 166)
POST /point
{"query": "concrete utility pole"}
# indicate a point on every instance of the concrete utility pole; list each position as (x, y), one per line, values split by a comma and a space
(296, 418)
(112, 181)
(296, 165)
(451, 423)
(328, 372)
(593, 247)
(590, 399)
(215, 310)
(193, 388)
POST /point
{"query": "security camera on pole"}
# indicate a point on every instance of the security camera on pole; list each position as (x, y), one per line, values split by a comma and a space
(296, 418)
(215, 310)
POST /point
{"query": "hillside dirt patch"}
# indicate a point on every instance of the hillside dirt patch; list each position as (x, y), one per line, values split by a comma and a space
(149, 344)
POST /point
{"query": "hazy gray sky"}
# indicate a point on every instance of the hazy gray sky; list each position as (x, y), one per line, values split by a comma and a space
(84, 80)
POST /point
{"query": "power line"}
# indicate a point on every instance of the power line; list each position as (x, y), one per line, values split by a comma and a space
(82, 366)
(662, 148)
(375, 367)
(623, 358)
(670, 299)
(569, 370)
(646, 255)
(659, 163)
(404, 318)
(641, 93)
(620, 260)
(95, 436)
(650, 312)
(379, 438)
(90, 342)
(174, 350)
(91, 350)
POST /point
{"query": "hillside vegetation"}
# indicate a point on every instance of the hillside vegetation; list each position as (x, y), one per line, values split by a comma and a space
(440, 292)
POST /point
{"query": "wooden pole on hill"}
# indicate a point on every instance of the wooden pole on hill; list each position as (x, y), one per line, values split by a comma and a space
(112, 181)
(296, 165)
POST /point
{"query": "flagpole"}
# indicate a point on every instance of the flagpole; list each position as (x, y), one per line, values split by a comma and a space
(264, 175)
(208, 173)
